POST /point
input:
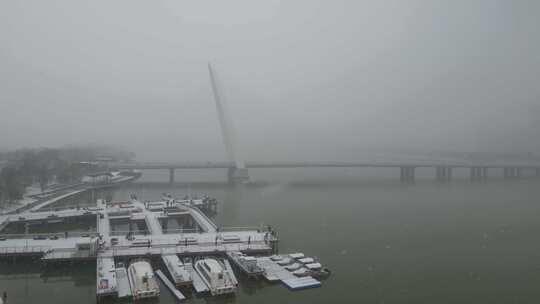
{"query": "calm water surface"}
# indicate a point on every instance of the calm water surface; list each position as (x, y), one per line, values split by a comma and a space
(385, 242)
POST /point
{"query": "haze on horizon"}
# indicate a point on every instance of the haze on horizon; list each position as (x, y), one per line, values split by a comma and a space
(303, 79)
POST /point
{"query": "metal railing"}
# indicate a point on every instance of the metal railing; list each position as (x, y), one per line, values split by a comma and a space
(50, 235)
(23, 250)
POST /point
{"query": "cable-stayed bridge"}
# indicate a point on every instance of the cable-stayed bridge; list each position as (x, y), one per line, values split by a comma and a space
(237, 168)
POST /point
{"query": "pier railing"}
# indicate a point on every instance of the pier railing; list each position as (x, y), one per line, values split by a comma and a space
(182, 231)
(51, 236)
(234, 229)
(21, 250)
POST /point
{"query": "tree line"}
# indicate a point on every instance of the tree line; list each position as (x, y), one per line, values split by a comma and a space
(24, 167)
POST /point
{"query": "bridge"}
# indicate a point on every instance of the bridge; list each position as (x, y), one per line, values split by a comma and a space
(442, 169)
(237, 168)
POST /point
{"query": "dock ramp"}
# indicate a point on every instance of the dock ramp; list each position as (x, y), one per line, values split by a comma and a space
(198, 284)
(179, 274)
(230, 271)
(106, 278)
(124, 289)
(177, 294)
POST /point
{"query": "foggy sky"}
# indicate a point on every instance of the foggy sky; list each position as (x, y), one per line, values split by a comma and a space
(309, 79)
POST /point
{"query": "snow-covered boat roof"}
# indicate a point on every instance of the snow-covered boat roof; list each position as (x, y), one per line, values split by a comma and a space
(314, 265)
(306, 260)
(297, 255)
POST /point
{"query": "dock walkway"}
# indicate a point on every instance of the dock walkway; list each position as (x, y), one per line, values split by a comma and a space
(179, 296)
(106, 278)
(177, 269)
(124, 289)
(230, 272)
(274, 272)
(198, 284)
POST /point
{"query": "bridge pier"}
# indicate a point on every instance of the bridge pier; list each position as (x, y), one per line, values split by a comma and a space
(537, 170)
(443, 174)
(479, 173)
(512, 173)
(171, 175)
(237, 175)
(406, 174)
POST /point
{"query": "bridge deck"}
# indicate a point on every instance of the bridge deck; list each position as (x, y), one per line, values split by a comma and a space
(329, 164)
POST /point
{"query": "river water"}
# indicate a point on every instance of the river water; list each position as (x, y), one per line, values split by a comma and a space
(385, 242)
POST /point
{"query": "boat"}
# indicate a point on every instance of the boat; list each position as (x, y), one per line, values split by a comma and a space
(142, 280)
(214, 274)
(297, 255)
(180, 274)
(302, 272)
(317, 271)
(285, 261)
(276, 258)
(306, 260)
(247, 264)
(294, 266)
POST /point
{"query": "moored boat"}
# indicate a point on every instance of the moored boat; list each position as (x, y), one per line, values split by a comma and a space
(247, 264)
(215, 276)
(142, 280)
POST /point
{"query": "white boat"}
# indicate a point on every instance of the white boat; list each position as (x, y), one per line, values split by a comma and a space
(142, 280)
(247, 264)
(297, 255)
(181, 276)
(314, 266)
(293, 266)
(285, 261)
(276, 258)
(301, 272)
(215, 276)
(306, 260)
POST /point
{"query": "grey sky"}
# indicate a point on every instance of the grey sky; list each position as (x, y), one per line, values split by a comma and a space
(304, 79)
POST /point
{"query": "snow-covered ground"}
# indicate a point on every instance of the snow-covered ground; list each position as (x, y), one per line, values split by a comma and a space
(30, 190)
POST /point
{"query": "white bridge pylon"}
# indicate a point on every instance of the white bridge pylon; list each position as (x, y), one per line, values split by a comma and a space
(239, 172)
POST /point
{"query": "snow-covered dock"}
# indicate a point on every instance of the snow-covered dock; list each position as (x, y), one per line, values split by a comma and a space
(301, 283)
(106, 278)
(124, 289)
(274, 272)
(105, 244)
(177, 294)
(198, 284)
